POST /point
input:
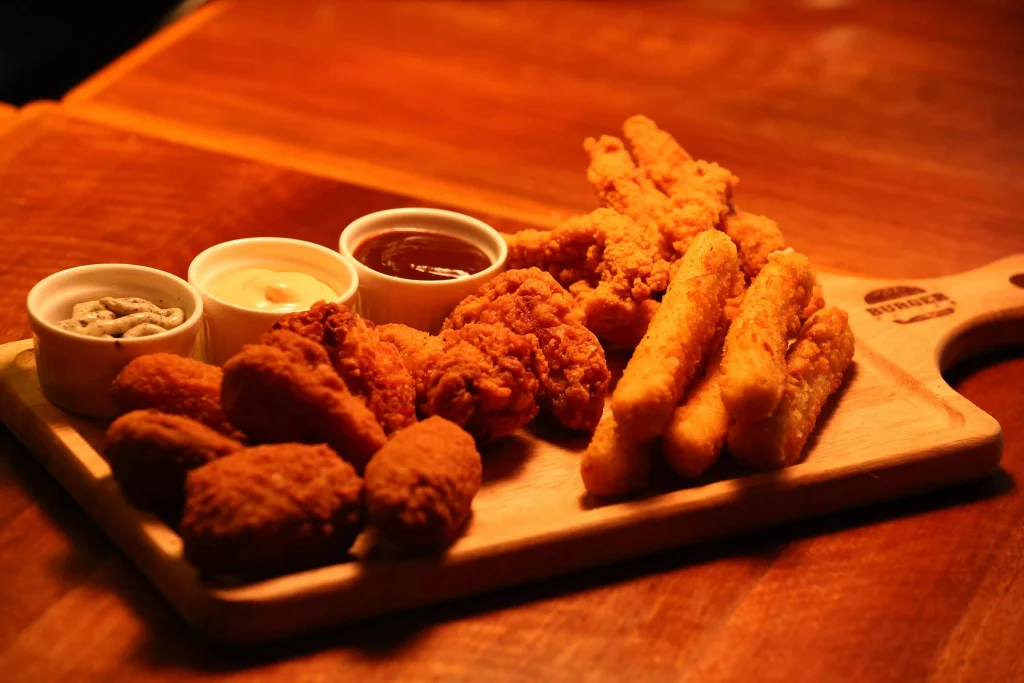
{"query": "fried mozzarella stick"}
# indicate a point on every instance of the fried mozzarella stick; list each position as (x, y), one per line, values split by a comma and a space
(815, 368)
(614, 463)
(699, 425)
(754, 362)
(678, 337)
(756, 237)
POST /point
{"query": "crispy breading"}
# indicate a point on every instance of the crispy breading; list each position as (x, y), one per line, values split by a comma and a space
(814, 367)
(699, 426)
(756, 237)
(420, 486)
(285, 389)
(529, 301)
(754, 364)
(150, 452)
(172, 384)
(615, 463)
(678, 338)
(371, 369)
(276, 508)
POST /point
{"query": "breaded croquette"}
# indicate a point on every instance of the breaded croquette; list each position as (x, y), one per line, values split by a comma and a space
(814, 367)
(285, 389)
(754, 361)
(150, 452)
(271, 508)
(172, 384)
(420, 485)
(678, 338)
(613, 463)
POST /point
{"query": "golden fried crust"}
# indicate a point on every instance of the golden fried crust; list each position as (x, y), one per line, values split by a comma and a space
(678, 338)
(485, 380)
(371, 369)
(420, 486)
(756, 237)
(529, 301)
(285, 389)
(150, 452)
(172, 384)
(754, 364)
(814, 367)
(694, 437)
(271, 508)
(613, 463)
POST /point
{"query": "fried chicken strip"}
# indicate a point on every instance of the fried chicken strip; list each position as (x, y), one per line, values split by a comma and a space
(754, 361)
(678, 338)
(815, 367)
(699, 192)
(614, 463)
(756, 237)
(371, 369)
(284, 389)
(529, 301)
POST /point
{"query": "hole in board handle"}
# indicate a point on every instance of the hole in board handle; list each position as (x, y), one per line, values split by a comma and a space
(1017, 280)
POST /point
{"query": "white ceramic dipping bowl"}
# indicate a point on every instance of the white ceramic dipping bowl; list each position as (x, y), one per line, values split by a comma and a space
(418, 303)
(227, 326)
(75, 371)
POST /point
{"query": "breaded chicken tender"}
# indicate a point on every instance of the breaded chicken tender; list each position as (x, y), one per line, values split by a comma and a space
(815, 367)
(529, 301)
(754, 363)
(420, 486)
(614, 463)
(371, 369)
(756, 237)
(677, 342)
(150, 452)
(276, 508)
(483, 378)
(285, 389)
(172, 384)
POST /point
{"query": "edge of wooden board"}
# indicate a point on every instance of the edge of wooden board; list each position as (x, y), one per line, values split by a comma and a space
(297, 603)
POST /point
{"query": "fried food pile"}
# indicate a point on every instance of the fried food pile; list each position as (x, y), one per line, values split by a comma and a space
(733, 346)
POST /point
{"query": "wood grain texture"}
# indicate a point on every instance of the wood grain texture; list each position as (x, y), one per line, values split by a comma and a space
(866, 123)
(895, 429)
(885, 138)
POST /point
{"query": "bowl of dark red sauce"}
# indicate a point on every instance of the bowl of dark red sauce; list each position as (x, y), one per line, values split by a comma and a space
(415, 264)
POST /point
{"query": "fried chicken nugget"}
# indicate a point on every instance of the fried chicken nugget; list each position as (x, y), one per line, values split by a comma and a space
(150, 452)
(699, 426)
(756, 237)
(420, 486)
(754, 364)
(285, 389)
(371, 369)
(276, 508)
(678, 339)
(614, 463)
(529, 301)
(172, 384)
(815, 367)
(482, 377)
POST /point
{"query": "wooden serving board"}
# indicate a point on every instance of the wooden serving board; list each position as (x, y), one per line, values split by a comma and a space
(895, 428)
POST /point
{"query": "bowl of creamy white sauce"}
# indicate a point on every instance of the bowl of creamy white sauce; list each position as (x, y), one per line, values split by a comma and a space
(247, 284)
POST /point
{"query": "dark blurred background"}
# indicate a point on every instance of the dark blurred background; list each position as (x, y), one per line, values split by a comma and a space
(49, 46)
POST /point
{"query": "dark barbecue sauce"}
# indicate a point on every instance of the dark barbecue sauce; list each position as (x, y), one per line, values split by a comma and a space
(421, 255)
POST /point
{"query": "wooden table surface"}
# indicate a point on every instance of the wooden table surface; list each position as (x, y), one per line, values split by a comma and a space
(885, 139)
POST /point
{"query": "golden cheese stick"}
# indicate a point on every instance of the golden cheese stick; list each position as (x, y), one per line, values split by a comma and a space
(678, 337)
(754, 361)
(614, 464)
(756, 237)
(815, 368)
(699, 425)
